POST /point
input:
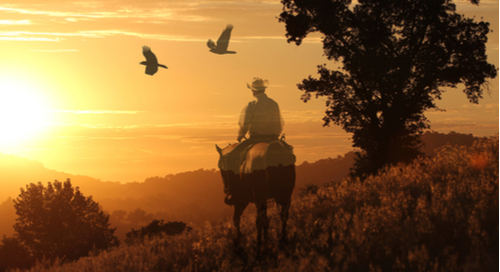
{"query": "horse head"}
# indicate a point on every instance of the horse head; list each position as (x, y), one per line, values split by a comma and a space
(223, 166)
(229, 176)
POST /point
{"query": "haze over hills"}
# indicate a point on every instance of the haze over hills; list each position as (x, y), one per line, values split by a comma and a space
(194, 196)
(18, 172)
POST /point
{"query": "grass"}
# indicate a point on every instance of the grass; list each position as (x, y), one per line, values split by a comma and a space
(437, 214)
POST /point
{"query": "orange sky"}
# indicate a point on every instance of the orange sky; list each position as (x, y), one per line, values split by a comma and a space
(89, 109)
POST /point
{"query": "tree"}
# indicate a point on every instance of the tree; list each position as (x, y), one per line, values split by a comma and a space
(58, 221)
(398, 57)
(118, 216)
(13, 254)
(139, 216)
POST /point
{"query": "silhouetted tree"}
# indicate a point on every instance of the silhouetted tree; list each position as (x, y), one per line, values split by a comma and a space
(58, 221)
(14, 254)
(139, 216)
(118, 215)
(397, 56)
(156, 227)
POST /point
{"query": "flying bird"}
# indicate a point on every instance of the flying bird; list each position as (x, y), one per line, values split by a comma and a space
(151, 61)
(222, 42)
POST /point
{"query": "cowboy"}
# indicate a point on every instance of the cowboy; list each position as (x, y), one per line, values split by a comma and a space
(261, 119)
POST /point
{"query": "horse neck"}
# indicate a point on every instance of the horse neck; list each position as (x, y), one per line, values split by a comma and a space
(228, 149)
(223, 156)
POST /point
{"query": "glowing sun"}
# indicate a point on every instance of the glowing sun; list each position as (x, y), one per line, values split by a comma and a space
(23, 111)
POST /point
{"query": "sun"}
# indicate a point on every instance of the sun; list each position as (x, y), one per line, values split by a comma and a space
(23, 111)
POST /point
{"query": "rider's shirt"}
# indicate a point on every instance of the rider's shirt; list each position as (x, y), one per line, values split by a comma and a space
(261, 117)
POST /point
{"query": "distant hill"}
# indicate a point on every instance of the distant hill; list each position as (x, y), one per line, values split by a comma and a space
(194, 196)
(8, 216)
(434, 140)
(17, 172)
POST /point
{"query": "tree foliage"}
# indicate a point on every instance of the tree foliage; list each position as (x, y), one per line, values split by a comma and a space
(58, 221)
(398, 57)
(13, 254)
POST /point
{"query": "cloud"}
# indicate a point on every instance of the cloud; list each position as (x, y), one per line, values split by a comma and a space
(35, 36)
(29, 36)
(99, 111)
(479, 129)
(114, 32)
(143, 128)
(15, 22)
(480, 106)
(54, 50)
(123, 17)
(298, 117)
(283, 37)
(27, 39)
(47, 13)
(100, 12)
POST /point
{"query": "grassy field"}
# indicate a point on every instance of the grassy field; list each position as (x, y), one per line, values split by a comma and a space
(437, 214)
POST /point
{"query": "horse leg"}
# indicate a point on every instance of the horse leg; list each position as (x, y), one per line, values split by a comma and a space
(262, 222)
(285, 207)
(238, 211)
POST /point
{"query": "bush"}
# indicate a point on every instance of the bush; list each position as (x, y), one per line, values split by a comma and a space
(156, 228)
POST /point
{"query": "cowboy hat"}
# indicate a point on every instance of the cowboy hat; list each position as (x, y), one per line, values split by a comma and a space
(258, 84)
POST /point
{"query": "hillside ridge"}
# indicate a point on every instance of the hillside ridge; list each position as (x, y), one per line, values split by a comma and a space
(133, 204)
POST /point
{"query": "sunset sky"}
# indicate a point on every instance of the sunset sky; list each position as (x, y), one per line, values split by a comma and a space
(74, 97)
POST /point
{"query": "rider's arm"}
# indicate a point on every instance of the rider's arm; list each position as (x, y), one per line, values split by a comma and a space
(244, 121)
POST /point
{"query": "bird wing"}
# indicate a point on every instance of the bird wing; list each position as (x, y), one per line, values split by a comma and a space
(151, 69)
(150, 57)
(223, 41)
(211, 44)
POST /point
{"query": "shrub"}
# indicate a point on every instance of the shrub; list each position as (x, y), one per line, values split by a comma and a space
(156, 228)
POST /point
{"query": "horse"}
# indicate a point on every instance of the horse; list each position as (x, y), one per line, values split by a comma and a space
(267, 172)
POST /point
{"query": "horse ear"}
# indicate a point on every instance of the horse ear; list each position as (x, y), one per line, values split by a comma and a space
(218, 149)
